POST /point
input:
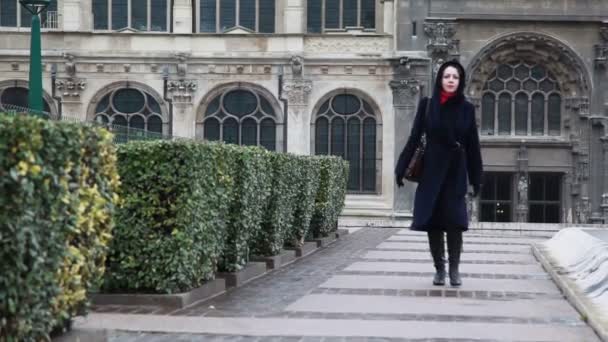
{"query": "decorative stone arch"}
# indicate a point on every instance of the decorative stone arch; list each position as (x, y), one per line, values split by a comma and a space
(369, 108)
(25, 84)
(111, 88)
(556, 55)
(262, 94)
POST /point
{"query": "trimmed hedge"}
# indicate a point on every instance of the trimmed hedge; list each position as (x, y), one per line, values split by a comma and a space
(280, 207)
(170, 230)
(52, 177)
(308, 169)
(330, 197)
(251, 166)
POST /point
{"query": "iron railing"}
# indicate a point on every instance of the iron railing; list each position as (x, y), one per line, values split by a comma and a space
(50, 20)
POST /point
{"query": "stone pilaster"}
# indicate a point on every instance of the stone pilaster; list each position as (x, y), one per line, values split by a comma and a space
(182, 16)
(441, 45)
(604, 204)
(294, 15)
(296, 90)
(389, 16)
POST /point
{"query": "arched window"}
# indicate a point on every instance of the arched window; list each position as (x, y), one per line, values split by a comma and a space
(327, 15)
(12, 14)
(217, 16)
(132, 111)
(521, 98)
(16, 98)
(138, 15)
(346, 126)
(240, 116)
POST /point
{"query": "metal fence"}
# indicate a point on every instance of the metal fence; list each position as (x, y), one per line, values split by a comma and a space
(50, 20)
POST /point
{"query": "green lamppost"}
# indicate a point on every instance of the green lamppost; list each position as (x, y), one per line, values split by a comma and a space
(35, 7)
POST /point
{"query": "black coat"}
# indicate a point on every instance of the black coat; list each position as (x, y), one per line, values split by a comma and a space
(452, 155)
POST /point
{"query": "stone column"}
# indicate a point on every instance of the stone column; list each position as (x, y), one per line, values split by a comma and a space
(182, 16)
(522, 205)
(604, 204)
(389, 16)
(295, 90)
(294, 16)
(405, 98)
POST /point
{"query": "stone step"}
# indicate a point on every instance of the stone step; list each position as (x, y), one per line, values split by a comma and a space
(338, 328)
(528, 270)
(555, 310)
(467, 237)
(407, 246)
(466, 256)
(421, 283)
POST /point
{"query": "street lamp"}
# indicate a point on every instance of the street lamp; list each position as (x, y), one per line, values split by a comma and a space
(35, 7)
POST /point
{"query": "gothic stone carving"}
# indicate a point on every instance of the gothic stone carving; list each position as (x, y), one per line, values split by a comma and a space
(441, 39)
(71, 87)
(182, 91)
(70, 66)
(601, 49)
(182, 65)
(405, 91)
(296, 91)
(370, 45)
(297, 63)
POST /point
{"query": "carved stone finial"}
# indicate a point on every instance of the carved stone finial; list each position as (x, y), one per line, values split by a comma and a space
(297, 64)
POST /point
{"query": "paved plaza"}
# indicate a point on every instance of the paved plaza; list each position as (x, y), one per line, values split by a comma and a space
(372, 285)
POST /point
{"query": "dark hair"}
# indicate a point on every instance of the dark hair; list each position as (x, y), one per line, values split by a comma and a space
(461, 73)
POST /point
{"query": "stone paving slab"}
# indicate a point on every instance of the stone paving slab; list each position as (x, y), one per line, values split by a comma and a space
(467, 247)
(418, 283)
(338, 328)
(464, 268)
(466, 256)
(470, 237)
(518, 308)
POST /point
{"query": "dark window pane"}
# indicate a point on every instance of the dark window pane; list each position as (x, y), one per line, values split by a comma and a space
(538, 72)
(521, 114)
(153, 104)
(536, 190)
(139, 14)
(346, 104)
(213, 106)
(321, 136)
(102, 119)
(268, 134)
(231, 131)
(552, 213)
(227, 14)
(119, 120)
(207, 20)
(337, 137)
(137, 122)
(267, 14)
(16, 96)
(159, 15)
(504, 114)
(538, 114)
(120, 14)
(100, 14)
(249, 132)
(553, 188)
(313, 16)
(240, 102)
(8, 13)
(212, 130)
(155, 124)
(247, 14)
(353, 152)
(368, 14)
(324, 107)
(369, 154)
(503, 212)
(488, 190)
(555, 116)
(503, 187)
(128, 101)
(505, 72)
(349, 12)
(537, 213)
(266, 107)
(332, 14)
(488, 212)
(26, 17)
(487, 114)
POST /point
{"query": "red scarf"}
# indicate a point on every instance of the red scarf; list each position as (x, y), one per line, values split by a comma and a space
(444, 96)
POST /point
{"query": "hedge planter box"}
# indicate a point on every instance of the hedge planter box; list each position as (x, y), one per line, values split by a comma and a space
(341, 232)
(326, 241)
(307, 248)
(251, 271)
(273, 262)
(179, 300)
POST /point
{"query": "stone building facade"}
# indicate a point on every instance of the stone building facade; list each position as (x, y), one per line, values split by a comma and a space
(343, 77)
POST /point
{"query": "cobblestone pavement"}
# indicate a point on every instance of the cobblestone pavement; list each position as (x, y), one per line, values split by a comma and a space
(373, 285)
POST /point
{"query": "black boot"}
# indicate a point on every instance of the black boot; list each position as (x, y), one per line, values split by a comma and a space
(454, 250)
(436, 244)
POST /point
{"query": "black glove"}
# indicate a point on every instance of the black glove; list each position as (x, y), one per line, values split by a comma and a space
(476, 190)
(399, 180)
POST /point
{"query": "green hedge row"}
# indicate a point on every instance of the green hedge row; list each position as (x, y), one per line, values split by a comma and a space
(58, 184)
(191, 209)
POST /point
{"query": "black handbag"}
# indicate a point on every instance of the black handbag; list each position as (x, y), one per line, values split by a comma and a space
(414, 170)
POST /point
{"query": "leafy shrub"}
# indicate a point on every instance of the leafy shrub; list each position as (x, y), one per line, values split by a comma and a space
(307, 171)
(330, 196)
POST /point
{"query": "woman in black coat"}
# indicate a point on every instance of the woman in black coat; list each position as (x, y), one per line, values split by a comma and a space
(452, 155)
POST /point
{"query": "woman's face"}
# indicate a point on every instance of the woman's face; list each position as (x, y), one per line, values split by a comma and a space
(450, 79)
